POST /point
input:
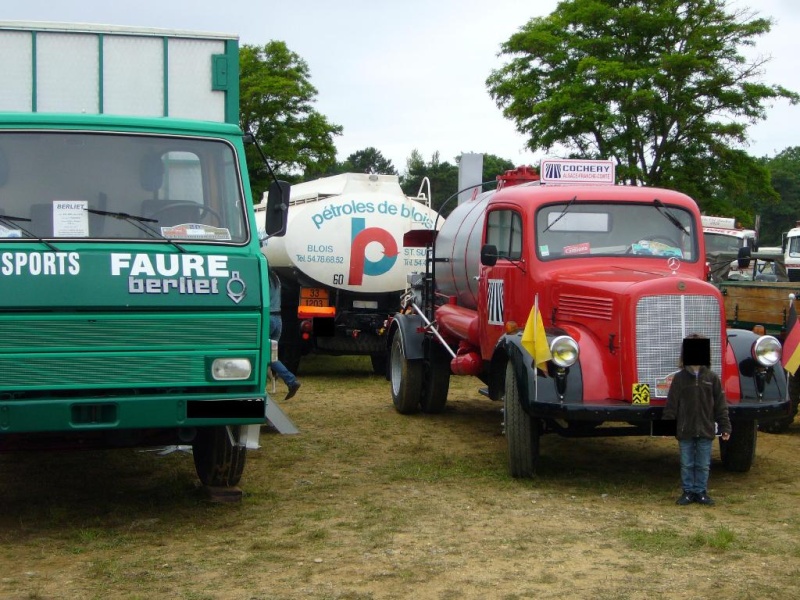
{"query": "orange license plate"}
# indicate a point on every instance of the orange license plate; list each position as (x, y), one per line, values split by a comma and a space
(313, 296)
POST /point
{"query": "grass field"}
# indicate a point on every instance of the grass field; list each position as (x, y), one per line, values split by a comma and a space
(368, 504)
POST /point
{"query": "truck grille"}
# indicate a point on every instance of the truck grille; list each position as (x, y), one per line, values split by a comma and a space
(661, 324)
(105, 351)
(24, 334)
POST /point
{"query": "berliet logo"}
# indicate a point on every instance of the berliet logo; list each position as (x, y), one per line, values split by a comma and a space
(237, 289)
(188, 274)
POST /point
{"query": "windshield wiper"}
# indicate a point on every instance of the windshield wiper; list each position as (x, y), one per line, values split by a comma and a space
(669, 216)
(139, 222)
(14, 222)
(563, 212)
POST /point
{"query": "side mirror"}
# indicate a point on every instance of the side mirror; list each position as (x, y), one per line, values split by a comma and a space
(783, 243)
(277, 212)
(489, 255)
(743, 257)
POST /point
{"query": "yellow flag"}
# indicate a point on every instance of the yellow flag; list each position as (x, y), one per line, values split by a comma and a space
(534, 338)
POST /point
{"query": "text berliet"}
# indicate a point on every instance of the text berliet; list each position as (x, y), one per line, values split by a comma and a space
(182, 285)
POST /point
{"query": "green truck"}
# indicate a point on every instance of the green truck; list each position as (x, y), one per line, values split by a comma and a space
(133, 296)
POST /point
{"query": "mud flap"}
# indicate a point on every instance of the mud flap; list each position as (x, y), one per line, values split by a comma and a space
(279, 419)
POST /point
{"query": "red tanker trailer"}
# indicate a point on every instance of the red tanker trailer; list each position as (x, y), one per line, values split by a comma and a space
(617, 274)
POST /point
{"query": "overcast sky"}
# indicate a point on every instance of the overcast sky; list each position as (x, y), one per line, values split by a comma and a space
(401, 75)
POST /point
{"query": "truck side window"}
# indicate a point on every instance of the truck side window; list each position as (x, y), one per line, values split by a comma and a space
(504, 230)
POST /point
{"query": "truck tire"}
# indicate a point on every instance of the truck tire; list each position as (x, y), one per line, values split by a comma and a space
(437, 380)
(406, 379)
(739, 451)
(782, 425)
(218, 462)
(522, 431)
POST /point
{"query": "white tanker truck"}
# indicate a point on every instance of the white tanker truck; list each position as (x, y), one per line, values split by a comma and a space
(342, 263)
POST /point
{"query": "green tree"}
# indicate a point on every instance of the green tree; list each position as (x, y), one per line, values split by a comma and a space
(443, 177)
(778, 218)
(659, 86)
(369, 160)
(276, 105)
(494, 165)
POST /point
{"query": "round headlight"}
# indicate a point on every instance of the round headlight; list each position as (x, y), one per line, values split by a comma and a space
(564, 350)
(766, 350)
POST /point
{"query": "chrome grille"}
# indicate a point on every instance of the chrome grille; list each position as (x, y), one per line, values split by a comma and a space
(661, 324)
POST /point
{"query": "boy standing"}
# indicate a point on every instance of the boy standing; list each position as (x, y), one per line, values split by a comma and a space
(696, 401)
(275, 327)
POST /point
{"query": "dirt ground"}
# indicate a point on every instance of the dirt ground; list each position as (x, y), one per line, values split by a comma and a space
(368, 504)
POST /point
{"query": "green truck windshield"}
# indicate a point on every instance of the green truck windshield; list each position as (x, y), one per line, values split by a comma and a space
(99, 186)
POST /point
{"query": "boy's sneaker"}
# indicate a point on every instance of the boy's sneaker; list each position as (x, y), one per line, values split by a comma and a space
(686, 498)
(704, 498)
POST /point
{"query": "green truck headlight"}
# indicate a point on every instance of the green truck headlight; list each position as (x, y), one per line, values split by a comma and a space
(766, 350)
(565, 351)
(227, 369)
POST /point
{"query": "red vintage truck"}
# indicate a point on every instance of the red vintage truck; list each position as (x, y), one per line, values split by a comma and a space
(619, 277)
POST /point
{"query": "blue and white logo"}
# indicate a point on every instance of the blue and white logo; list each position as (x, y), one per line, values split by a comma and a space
(597, 172)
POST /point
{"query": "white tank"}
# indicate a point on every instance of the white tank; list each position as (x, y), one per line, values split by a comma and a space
(346, 232)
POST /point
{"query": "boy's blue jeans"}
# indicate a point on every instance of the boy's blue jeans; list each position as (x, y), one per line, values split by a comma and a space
(275, 328)
(695, 464)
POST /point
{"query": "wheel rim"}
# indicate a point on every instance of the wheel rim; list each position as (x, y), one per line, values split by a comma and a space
(396, 365)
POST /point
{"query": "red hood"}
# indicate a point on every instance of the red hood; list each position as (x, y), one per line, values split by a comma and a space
(602, 296)
(620, 279)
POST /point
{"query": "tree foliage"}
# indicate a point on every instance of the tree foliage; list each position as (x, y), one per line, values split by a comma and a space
(369, 160)
(276, 105)
(778, 218)
(659, 86)
(443, 177)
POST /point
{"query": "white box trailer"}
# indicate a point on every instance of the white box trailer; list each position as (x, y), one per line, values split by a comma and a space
(114, 70)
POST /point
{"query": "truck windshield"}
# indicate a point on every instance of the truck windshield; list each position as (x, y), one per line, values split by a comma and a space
(794, 246)
(614, 229)
(98, 186)
(719, 242)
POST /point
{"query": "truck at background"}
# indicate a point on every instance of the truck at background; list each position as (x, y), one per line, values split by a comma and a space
(757, 295)
(791, 249)
(133, 296)
(722, 234)
(618, 276)
(342, 263)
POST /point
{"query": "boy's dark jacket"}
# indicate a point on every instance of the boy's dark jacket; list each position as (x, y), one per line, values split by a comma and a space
(697, 402)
